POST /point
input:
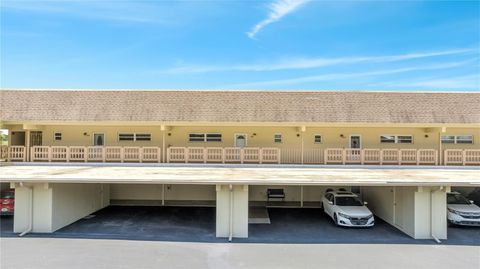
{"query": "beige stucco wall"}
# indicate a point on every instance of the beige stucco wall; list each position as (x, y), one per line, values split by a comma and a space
(292, 193)
(154, 192)
(380, 201)
(414, 210)
(257, 136)
(56, 205)
(71, 202)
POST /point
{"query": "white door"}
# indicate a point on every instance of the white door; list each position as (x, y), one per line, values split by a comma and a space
(356, 144)
(240, 140)
(98, 139)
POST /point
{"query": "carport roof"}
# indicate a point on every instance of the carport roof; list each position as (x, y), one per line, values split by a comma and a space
(242, 174)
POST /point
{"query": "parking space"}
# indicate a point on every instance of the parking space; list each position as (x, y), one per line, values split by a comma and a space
(197, 224)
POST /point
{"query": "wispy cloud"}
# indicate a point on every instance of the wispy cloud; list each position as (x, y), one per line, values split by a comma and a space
(343, 76)
(313, 62)
(463, 82)
(112, 11)
(277, 10)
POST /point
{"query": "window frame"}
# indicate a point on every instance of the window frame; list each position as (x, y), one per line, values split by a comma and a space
(125, 134)
(275, 138)
(205, 137)
(396, 140)
(134, 137)
(471, 139)
(455, 139)
(388, 135)
(147, 135)
(55, 133)
(315, 139)
(219, 135)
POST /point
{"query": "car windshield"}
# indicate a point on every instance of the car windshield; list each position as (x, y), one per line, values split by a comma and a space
(347, 201)
(7, 195)
(457, 199)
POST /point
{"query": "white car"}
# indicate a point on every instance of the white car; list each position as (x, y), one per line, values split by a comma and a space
(461, 211)
(346, 209)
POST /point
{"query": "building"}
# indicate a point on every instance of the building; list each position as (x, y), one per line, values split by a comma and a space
(71, 153)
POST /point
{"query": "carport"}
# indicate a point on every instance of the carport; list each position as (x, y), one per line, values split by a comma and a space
(54, 196)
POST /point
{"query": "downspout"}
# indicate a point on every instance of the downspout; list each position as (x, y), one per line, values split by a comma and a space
(230, 232)
(432, 234)
(30, 219)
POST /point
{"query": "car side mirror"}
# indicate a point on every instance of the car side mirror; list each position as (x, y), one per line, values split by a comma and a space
(330, 202)
(365, 203)
(471, 202)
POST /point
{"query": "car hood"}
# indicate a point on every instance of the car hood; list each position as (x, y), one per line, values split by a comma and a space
(471, 208)
(357, 211)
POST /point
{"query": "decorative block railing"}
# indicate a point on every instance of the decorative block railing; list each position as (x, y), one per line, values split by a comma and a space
(240, 155)
(381, 156)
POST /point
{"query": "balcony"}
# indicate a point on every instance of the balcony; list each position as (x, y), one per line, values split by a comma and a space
(254, 155)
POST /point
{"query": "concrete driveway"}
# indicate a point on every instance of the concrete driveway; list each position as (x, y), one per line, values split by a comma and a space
(53, 253)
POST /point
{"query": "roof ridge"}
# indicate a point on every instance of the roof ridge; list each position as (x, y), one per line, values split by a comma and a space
(236, 90)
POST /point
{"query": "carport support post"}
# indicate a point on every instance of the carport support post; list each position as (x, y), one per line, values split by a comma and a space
(162, 128)
(430, 213)
(27, 145)
(163, 194)
(302, 130)
(438, 205)
(301, 196)
(232, 211)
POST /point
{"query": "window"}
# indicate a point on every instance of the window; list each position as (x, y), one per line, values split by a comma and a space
(213, 137)
(459, 139)
(448, 139)
(277, 138)
(57, 136)
(134, 137)
(405, 139)
(196, 138)
(464, 139)
(126, 137)
(400, 139)
(317, 139)
(143, 137)
(387, 139)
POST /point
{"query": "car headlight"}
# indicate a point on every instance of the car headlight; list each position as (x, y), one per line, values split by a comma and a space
(343, 215)
(370, 216)
(453, 211)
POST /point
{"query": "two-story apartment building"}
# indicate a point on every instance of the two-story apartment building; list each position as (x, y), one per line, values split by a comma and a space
(71, 153)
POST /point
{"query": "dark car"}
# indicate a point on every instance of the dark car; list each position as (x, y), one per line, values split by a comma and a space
(7, 202)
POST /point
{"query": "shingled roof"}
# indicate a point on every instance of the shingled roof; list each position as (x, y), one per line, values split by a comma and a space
(240, 106)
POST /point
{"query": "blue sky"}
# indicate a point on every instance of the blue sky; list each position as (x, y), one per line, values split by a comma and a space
(277, 44)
